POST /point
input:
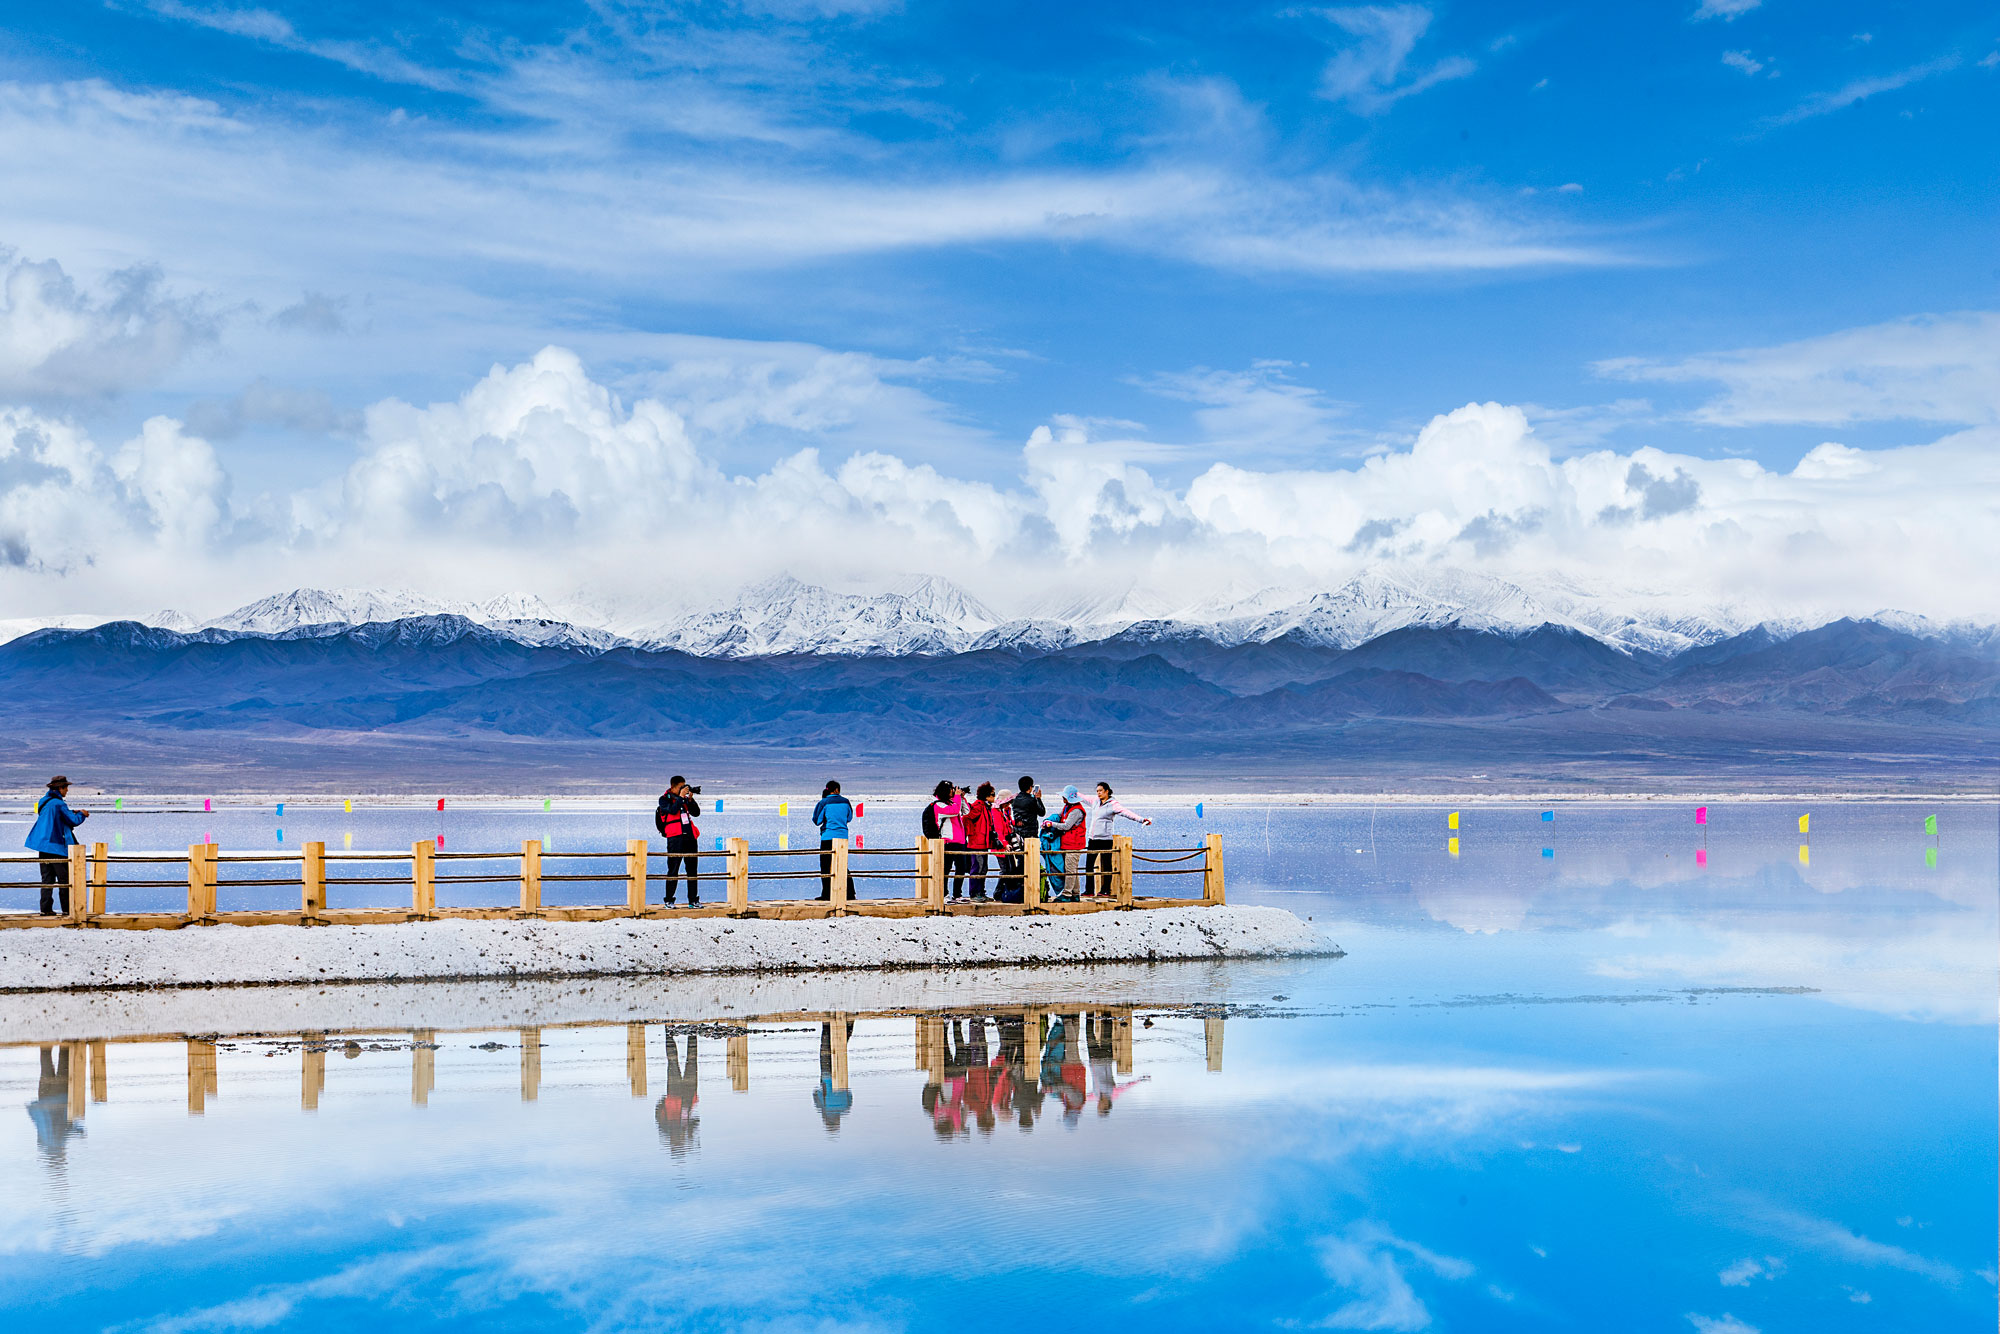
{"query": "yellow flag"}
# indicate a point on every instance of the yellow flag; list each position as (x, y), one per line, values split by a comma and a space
(350, 805)
(784, 840)
(1452, 847)
(784, 808)
(1805, 823)
(1451, 821)
(1805, 855)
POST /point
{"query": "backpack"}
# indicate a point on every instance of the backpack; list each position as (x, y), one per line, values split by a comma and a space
(931, 829)
(676, 823)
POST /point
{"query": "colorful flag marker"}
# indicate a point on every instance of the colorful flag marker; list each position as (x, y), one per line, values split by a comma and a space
(1930, 824)
(281, 810)
(350, 805)
(1548, 852)
(718, 842)
(206, 805)
(1701, 856)
(1197, 810)
(440, 840)
(1805, 823)
(718, 805)
(347, 840)
(1805, 855)
(118, 804)
(1930, 857)
(281, 836)
(440, 803)
(545, 803)
(857, 808)
(208, 836)
(857, 840)
(118, 840)
(784, 808)
(784, 841)
(1451, 822)
(1701, 815)
(1451, 846)
(1548, 817)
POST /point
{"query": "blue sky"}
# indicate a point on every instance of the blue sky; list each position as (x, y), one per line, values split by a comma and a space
(1278, 238)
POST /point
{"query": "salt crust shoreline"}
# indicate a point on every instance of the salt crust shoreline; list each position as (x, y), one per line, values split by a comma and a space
(62, 959)
(459, 1006)
(608, 802)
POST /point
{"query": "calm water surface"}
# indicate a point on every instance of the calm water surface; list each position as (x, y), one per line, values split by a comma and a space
(1602, 1088)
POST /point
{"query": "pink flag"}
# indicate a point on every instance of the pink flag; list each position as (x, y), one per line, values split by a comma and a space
(205, 804)
(857, 840)
(1701, 856)
(1701, 815)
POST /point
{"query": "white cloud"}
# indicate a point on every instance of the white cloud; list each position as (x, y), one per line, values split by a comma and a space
(1726, 10)
(1743, 61)
(1719, 1324)
(1367, 1264)
(1935, 368)
(1258, 408)
(59, 340)
(1860, 90)
(540, 478)
(1370, 73)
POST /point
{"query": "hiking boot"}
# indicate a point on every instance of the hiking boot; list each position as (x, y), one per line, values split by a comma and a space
(667, 902)
(978, 896)
(694, 900)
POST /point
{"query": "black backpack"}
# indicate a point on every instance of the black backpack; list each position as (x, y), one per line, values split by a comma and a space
(931, 829)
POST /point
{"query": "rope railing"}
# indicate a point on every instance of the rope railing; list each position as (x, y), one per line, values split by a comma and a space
(96, 873)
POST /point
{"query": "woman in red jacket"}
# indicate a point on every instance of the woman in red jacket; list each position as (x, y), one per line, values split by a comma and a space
(983, 834)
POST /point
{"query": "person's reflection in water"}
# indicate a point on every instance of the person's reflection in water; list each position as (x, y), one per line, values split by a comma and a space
(1103, 1031)
(50, 1109)
(945, 1103)
(1021, 1089)
(1062, 1066)
(833, 1103)
(675, 1109)
(979, 1076)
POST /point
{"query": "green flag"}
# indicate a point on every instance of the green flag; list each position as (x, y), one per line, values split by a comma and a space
(1930, 824)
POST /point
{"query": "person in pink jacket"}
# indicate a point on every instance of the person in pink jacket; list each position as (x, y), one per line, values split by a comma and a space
(947, 816)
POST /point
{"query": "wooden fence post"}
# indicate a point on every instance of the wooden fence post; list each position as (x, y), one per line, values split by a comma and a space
(934, 883)
(531, 875)
(197, 900)
(1031, 872)
(312, 870)
(839, 1032)
(636, 855)
(1121, 1039)
(423, 879)
(739, 876)
(79, 883)
(209, 879)
(76, 1066)
(1211, 1034)
(1121, 870)
(100, 876)
(1031, 1045)
(1211, 870)
(100, 1077)
(837, 886)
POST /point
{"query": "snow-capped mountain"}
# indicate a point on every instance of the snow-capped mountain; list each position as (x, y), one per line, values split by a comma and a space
(360, 606)
(785, 615)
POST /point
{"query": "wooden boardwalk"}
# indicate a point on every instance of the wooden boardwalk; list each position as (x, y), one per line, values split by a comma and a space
(207, 874)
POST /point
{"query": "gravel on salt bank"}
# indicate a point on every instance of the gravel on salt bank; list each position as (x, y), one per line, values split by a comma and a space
(62, 959)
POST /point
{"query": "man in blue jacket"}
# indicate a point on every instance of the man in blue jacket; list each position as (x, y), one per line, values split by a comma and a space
(52, 837)
(833, 814)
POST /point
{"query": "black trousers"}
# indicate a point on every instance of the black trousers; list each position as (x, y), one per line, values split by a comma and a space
(826, 873)
(1097, 861)
(956, 865)
(975, 871)
(55, 872)
(679, 850)
(1010, 873)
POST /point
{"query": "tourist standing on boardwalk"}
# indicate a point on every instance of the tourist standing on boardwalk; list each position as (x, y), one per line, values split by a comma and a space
(982, 835)
(1068, 830)
(833, 814)
(947, 817)
(1024, 814)
(675, 818)
(1098, 877)
(53, 834)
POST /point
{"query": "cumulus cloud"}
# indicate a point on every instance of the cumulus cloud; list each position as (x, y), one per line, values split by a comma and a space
(1932, 368)
(540, 478)
(59, 340)
(1726, 10)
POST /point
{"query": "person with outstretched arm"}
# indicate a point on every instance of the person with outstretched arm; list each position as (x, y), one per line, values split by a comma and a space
(675, 818)
(833, 814)
(1103, 815)
(52, 836)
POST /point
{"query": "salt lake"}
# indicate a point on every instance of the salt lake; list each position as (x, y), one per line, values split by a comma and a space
(1569, 1076)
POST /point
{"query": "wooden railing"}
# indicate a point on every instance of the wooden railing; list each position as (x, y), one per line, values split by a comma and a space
(423, 868)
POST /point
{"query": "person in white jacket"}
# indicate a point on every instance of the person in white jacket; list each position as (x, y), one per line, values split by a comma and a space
(1097, 850)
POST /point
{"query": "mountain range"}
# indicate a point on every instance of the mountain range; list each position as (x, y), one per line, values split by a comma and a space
(803, 680)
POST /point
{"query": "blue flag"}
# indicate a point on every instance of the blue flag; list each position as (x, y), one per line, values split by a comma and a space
(1548, 817)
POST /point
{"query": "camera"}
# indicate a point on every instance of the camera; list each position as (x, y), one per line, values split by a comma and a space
(694, 789)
